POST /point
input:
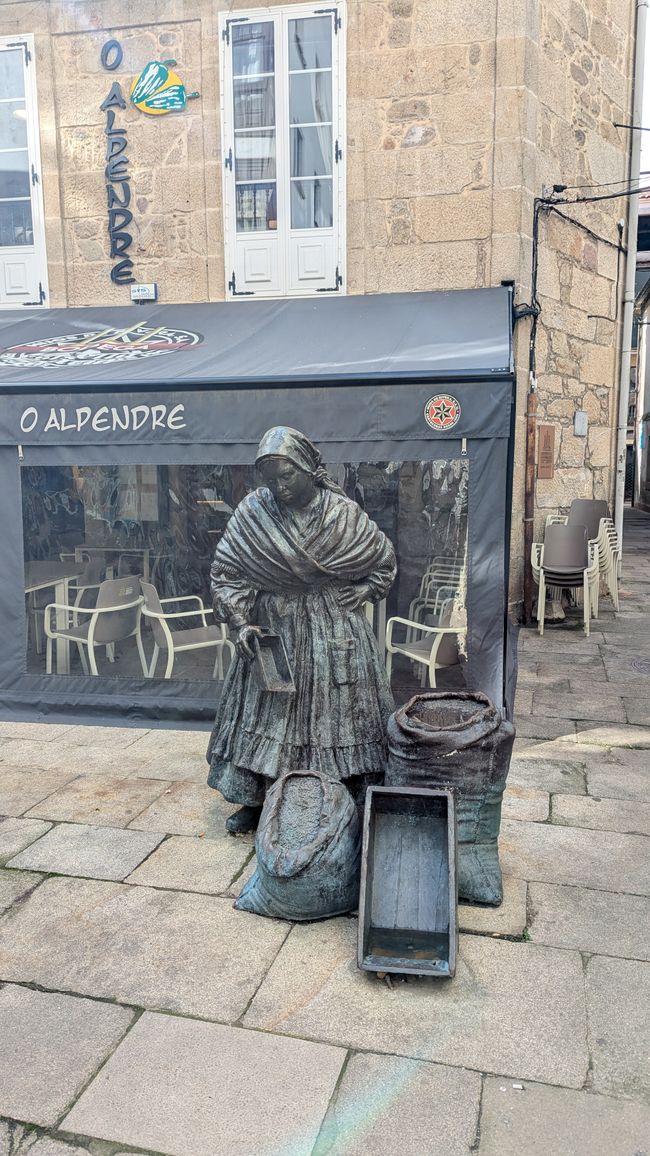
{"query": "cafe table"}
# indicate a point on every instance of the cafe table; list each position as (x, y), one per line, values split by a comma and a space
(40, 575)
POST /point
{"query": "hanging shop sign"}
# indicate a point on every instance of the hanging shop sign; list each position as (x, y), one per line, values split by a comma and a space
(158, 90)
(118, 185)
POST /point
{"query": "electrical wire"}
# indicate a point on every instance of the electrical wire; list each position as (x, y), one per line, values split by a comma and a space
(591, 200)
(607, 184)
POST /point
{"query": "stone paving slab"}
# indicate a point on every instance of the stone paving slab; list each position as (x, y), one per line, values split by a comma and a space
(526, 803)
(174, 742)
(386, 1105)
(638, 711)
(45, 732)
(20, 789)
(508, 919)
(186, 809)
(551, 680)
(632, 818)
(618, 997)
(543, 1121)
(193, 864)
(596, 921)
(569, 666)
(90, 735)
(511, 1008)
(192, 954)
(50, 1045)
(94, 852)
(621, 780)
(15, 884)
(18, 833)
(536, 727)
(195, 1089)
(77, 759)
(538, 773)
(29, 1143)
(613, 735)
(602, 707)
(101, 800)
(576, 856)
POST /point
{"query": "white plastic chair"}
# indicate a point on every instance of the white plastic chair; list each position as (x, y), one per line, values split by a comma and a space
(438, 649)
(114, 618)
(175, 641)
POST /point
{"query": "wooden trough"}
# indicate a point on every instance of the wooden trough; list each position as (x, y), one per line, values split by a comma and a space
(271, 666)
(408, 902)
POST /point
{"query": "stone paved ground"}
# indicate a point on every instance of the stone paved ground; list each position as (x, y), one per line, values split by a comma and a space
(140, 1013)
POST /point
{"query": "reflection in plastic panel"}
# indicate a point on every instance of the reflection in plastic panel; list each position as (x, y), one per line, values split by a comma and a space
(163, 522)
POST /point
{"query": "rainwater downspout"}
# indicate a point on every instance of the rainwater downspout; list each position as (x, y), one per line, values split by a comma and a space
(630, 266)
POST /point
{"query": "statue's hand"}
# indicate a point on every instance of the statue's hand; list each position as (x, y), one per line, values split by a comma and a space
(352, 597)
(243, 641)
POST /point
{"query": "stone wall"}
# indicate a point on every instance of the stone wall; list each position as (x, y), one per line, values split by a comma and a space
(458, 115)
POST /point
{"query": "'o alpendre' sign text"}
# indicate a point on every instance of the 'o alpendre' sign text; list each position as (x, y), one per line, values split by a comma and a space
(103, 418)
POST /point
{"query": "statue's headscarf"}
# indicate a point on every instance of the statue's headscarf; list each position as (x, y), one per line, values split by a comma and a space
(284, 442)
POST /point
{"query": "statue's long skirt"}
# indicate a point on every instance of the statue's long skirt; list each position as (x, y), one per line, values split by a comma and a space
(334, 723)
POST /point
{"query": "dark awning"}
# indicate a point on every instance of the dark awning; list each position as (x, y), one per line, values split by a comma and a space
(431, 336)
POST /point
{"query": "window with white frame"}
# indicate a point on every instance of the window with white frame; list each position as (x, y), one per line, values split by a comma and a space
(283, 102)
(23, 267)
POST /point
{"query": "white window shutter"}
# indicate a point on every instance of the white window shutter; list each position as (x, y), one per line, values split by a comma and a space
(304, 255)
(23, 264)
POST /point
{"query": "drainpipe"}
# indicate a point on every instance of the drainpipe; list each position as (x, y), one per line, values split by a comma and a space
(630, 266)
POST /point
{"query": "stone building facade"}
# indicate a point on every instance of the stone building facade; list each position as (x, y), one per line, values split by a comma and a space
(458, 116)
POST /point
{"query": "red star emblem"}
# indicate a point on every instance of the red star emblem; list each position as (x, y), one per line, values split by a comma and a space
(442, 411)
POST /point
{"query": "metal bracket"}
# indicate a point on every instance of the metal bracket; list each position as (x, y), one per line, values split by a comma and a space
(330, 12)
(35, 176)
(22, 44)
(232, 285)
(226, 31)
(41, 296)
(338, 281)
(338, 152)
(228, 160)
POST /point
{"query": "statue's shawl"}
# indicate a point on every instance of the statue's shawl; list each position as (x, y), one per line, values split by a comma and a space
(259, 548)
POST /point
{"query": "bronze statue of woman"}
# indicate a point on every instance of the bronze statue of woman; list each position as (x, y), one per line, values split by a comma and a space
(299, 558)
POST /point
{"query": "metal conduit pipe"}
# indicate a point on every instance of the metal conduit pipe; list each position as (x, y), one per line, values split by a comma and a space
(630, 267)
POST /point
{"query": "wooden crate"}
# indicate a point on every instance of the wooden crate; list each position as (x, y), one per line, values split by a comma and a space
(408, 904)
(271, 666)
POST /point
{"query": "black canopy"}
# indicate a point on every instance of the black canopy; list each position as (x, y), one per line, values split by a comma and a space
(464, 334)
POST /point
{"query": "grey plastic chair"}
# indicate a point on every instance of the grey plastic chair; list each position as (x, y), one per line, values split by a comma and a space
(588, 512)
(114, 618)
(564, 561)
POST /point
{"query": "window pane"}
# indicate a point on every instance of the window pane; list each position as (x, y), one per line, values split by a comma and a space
(252, 48)
(14, 175)
(311, 204)
(254, 103)
(310, 43)
(255, 156)
(311, 152)
(256, 208)
(12, 77)
(16, 223)
(310, 97)
(13, 125)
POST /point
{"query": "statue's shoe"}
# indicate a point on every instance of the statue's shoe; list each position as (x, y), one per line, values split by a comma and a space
(244, 821)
